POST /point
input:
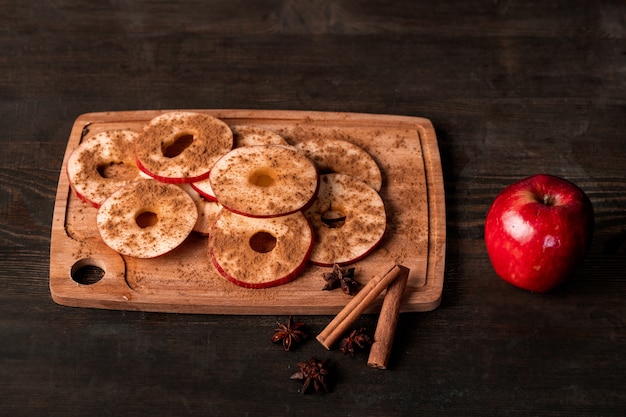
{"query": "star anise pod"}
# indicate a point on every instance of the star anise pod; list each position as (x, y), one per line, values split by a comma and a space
(314, 371)
(290, 333)
(341, 278)
(357, 339)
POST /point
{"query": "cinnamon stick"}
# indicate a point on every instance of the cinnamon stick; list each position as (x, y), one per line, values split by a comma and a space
(344, 319)
(387, 321)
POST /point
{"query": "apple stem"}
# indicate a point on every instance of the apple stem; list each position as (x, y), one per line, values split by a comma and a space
(547, 200)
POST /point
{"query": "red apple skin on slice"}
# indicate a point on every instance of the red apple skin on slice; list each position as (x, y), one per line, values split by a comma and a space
(243, 135)
(207, 210)
(342, 157)
(264, 180)
(101, 164)
(260, 252)
(181, 147)
(363, 228)
(86, 200)
(203, 188)
(146, 218)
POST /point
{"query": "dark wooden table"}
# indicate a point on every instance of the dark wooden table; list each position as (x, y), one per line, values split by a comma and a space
(513, 88)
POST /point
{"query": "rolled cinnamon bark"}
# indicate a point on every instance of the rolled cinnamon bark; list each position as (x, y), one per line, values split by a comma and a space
(387, 321)
(346, 317)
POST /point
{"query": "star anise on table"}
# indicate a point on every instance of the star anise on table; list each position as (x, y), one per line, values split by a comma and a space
(313, 373)
(357, 339)
(289, 333)
(343, 278)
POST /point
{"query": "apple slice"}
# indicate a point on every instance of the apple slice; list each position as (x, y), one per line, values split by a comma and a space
(245, 135)
(260, 252)
(207, 210)
(203, 187)
(264, 180)
(101, 164)
(146, 218)
(348, 218)
(342, 157)
(179, 147)
(207, 214)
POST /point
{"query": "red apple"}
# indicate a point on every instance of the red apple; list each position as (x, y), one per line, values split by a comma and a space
(537, 231)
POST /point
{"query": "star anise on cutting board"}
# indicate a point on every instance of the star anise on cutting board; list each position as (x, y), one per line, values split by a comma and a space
(343, 278)
(313, 373)
(290, 333)
(357, 339)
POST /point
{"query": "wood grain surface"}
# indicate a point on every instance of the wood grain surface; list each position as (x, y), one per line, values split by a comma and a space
(184, 280)
(512, 88)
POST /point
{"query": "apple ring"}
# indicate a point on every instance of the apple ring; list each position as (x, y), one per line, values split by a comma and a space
(342, 157)
(260, 252)
(264, 180)
(146, 218)
(245, 135)
(348, 218)
(180, 147)
(101, 164)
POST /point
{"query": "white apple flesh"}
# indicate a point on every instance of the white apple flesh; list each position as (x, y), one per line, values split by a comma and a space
(537, 231)
(207, 210)
(204, 188)
(245, 135)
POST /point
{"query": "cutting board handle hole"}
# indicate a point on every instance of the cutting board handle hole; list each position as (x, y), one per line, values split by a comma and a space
(87, 271)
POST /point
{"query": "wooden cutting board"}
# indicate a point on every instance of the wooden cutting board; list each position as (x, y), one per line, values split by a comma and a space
(185, 281)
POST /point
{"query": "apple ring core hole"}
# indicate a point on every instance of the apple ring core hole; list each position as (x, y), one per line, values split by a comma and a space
(333, 219)
(263, 178)
(262, 242)
(326, 170)
(146, 219)
(180, 143)
(87, 271)
(117, 170)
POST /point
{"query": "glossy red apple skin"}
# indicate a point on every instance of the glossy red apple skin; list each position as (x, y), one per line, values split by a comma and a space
(537, 231)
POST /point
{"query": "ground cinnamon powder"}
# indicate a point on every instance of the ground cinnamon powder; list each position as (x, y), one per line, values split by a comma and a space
(196, 274)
